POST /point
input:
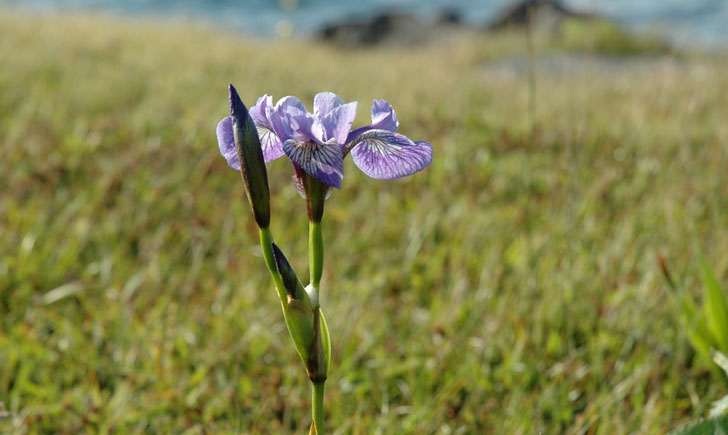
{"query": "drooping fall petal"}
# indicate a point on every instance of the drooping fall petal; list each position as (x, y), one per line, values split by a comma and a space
(324, 162)
(386, 155)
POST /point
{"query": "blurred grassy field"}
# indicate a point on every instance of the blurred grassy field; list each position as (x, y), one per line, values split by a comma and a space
(512, 287)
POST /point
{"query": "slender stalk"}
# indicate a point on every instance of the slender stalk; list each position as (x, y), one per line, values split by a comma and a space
(266, 239)
(316, 266)
(317, 408)
(315, 256)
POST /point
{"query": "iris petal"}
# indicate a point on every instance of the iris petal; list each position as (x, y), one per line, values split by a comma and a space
(324, 162)
(290, 102)
(300, 124)
(325, 102)
(383, 116)
(272, 146)
(336, 124)
(386, 155)
(269, 141)
(226, 142)
(260, 110)
(289, 121)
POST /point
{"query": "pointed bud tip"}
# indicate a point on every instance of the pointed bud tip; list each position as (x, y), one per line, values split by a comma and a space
(290, 280)
(278, 256)
(237, 108)
(250, 155)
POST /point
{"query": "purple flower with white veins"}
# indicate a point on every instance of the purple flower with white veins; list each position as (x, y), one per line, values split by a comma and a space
(317, 143)
(382, 153)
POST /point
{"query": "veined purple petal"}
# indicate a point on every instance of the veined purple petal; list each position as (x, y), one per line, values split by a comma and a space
(325, 102)
(226, 142)
(272, 146)
(336, 124)
(386, 155)
(298, 183)
(383, 116)
(324, 162)
(269, 141)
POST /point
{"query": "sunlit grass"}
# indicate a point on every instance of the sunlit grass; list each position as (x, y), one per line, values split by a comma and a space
(512, 287)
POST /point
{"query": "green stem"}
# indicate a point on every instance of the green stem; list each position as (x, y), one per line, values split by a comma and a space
(316, 267)
(317, 408)
(266, 239)
(315, 255)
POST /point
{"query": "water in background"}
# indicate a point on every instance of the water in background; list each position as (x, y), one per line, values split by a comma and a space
(693, 22)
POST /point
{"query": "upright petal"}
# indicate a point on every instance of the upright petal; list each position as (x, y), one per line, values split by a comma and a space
(386, 155)
(226, 142)
(279, 124)
(259, 111)
(300, 124)
(325, 102)
(383, 116)
(290, 120)
(336, 124)
(290, 102)
(269, 141)
(324, 162)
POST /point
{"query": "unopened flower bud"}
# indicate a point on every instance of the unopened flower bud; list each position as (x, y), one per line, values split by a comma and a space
(319, 357)
(306, 323)
(298, 311)
(250, 155)
(293, 285)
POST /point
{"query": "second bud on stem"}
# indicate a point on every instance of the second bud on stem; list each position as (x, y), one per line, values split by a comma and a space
(305, 321)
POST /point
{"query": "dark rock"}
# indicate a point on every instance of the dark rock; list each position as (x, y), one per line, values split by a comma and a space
(387, 28)
(449, 17)
(541, 14)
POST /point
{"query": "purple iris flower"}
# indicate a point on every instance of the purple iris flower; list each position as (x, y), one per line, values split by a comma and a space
(318, 142)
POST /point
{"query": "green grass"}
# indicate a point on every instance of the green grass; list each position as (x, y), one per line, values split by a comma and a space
(512, 287)
(606, 37)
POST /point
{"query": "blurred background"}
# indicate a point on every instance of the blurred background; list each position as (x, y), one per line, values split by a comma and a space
(695, 22)
(534, 278)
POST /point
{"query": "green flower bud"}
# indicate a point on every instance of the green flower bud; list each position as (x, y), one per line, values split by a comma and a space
(297, 311)
(293, 285)
(320, 354)
(306, 323)
(250, 155)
